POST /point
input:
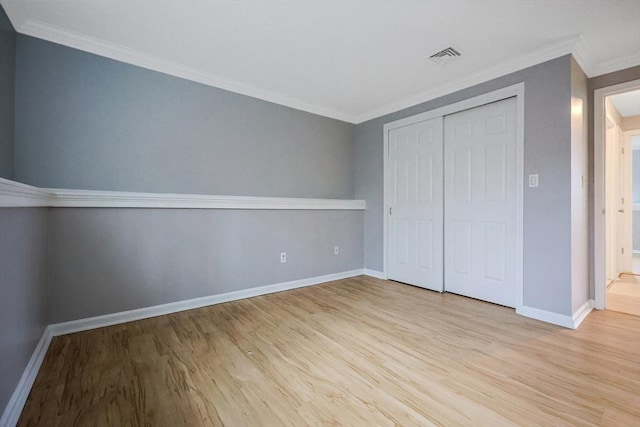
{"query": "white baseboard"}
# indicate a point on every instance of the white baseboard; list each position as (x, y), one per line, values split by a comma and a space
(546, 316)
(12, 411)
(15, 405)
(174, 307)
(582, 313)
(375, 273)
(571, 322)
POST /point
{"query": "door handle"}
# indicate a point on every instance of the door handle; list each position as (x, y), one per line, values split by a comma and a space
(621, 210)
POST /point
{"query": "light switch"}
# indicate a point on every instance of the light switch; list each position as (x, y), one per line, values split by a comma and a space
(533, 180)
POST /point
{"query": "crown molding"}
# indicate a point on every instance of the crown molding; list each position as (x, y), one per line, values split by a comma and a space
(574, 45)
(16, 14)
(615, 64)
(15, 194)
(556, 50)
(582, 54)
(52, 33)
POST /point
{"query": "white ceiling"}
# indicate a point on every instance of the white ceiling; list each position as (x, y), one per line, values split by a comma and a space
(627, 103)
(351, 60)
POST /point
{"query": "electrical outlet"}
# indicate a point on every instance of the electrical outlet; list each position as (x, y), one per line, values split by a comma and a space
(283, 257)
(336, 250)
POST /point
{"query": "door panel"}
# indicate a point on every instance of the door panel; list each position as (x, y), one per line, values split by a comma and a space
(461, 246)
(415, 232)
(611, 196)
(625, 204)
(480, 202)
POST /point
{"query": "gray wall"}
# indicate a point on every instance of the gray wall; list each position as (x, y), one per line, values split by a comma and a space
(23, 298)
(110, 260)
(7, 79)
(547, 216)
(88, 122)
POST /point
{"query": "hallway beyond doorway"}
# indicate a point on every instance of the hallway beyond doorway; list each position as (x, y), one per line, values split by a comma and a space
(623, 295)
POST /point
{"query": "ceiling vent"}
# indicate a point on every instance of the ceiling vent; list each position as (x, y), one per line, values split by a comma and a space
(446, 55)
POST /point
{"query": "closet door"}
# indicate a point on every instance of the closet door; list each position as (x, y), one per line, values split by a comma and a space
(415, 232)
(480, 202)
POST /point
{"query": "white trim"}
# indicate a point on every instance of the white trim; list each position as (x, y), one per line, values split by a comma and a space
(109, 199)
(128, 55)
(599, 255)
(582, 313)
(582, 54)
(18, 399)
(375, 273)
(574, 45)
(174, 307)
(571, 322)
(516, 90)
(615, 65)
(546, 316)
(554, 51)
(15, 194)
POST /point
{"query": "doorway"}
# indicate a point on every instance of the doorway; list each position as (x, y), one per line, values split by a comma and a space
(617, 198)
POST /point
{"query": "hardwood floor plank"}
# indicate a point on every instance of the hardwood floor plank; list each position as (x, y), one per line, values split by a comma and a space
(358, 351)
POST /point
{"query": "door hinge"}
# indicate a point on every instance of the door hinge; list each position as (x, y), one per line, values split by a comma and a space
(390, 210)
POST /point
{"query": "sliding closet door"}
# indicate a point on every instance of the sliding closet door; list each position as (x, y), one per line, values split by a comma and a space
(415, 232)
(480, 202)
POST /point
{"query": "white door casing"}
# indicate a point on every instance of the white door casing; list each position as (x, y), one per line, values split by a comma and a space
(480, 202)
(415, 204)
(600, 231)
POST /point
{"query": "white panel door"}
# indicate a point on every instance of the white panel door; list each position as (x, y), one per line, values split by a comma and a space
(625, 205)
(415, 232)
(480, 202)
(611, 196)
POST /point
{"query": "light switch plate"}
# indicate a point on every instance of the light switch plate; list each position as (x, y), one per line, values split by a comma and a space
(533, 180)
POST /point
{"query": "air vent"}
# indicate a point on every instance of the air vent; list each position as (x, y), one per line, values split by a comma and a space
(446, 55)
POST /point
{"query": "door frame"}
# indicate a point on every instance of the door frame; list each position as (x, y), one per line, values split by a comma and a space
(599, 128)
(517, 91)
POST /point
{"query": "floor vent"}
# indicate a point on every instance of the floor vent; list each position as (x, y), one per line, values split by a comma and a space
(446, 55)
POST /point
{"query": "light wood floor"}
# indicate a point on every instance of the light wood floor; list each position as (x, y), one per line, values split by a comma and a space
(358, 352)
(624, 295)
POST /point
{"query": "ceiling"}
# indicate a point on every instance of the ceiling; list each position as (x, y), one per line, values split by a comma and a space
(350, 60)
(627, 103)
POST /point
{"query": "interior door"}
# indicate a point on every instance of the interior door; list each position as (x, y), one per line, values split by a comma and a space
(611, 197)
(480, 202)
(625, 206)
(415, 228)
